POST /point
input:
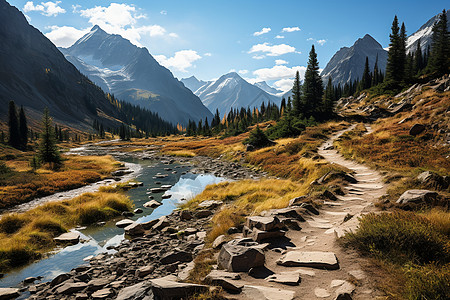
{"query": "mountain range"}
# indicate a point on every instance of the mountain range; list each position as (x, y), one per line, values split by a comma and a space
(132, 74)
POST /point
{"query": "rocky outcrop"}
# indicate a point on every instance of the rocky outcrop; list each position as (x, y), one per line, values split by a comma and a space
(417, 197)
(240, 256)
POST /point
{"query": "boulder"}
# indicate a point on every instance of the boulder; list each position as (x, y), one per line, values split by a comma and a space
(102, 294)
(417, 197)
(219, 241)
(59, 279)
(135, 229)
(203, 213)
(417, 129)
(312, 259)
(231, 286)
(210, 204)
(68, 237)
(264, 223)
(97, 284)
(168, 289)
(157, 190)
(8, 293)
(161, 223)
(434, 180)
(152, 204)
(267, 293)
(144, 271)
(166, 196)
(240, 258)
(124, 223)
(260, 235)
(185, 215)
(176, 256)
(140, 291)
(71, 287)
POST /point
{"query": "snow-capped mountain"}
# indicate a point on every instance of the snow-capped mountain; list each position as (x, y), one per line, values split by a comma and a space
(132, 74)
(193, 83)
(348, 63)
(267, 88)
(232, 91)
(425, 34)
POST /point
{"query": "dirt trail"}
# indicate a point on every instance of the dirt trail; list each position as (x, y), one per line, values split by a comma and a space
(319, 234)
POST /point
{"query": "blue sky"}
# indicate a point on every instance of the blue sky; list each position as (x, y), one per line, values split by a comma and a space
(259, 39)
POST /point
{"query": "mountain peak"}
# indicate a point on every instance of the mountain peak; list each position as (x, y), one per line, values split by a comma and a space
(367, 41)
(95, 28)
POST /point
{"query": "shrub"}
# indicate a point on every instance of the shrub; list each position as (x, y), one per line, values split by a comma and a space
(258, 139)
(428, 282)
(11, 223)
(4, 168)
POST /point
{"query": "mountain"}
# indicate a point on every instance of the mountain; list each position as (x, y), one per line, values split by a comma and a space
(232, 91)
(266, 88)
(425, 34)
(348, 63)
(35, 74)
(193, 83)
(132, 74)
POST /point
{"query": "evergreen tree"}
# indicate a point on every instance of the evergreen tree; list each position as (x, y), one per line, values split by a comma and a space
(376, 73)
(366, 80)
(258, 139)
(396, 62)
(312, 87)
(418, 58)
(23, 129)
(402, 54)
(297, 108)
(439, 58)
(328, 101)
(48, 150)
(13, 126)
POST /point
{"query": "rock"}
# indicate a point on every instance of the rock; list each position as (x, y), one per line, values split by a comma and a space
(321, 293)
(417, 197)
(260, 235)
(127, 214)
(267, 293)
(152, 204)
(176, 256)
(203, 213)
(219, 241)
(68, 237)
(210, 204)
(144, 271)
(297, 200)
(310, 208)
(168, 289)
(222, 274)
(29, 280)
(434, 180)
(185, 215)
(8, 293)
(157, 190)
(59, 279)
(135, 229)
(344, 296)
(120, 173)
(328, 195)
(417, 129)
(291, 223)
(149, 225)
(97, 284)
(71, 287)
(166, 186)
(232, 230)
(312, 259)
(138, 211)
(240, 258)
(140, 291)
(81, 296)
(264, 223)
(166, 196)
(345, 291)
(162, 223)
(102, 294)
(226, 280)
(124, 223)
(285, 278)
(189, 231)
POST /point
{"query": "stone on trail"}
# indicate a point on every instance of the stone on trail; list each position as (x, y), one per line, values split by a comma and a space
(140, 291)
(346, 288)
(234, 257)
(219, 241)
(321, 293)
(8, 293)
(417, 197)
(285, 278)
(167, 289)
(228, 281)
(267, 293)
(264, 223)
(260, 235)
(312, 259)
(222, 274)
(68, 237)
(124, 223)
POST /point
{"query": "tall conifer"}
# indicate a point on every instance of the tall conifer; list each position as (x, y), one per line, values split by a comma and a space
(23, 129)
(312, 87)
(13, 126)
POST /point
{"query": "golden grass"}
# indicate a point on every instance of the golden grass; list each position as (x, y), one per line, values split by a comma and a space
(25, 236)
(180, 153)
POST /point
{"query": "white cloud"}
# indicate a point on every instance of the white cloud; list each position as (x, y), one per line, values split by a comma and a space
(207, 54)
(163, 12)
(280, 62)
(180, 61)
(258, 56)
(284, 84)
(76, 8)
(321, 42)
(122, 19)
(279, 37)
(46, 8)
(278, 72)
(243, 72)
(65, 36)
(290, 29)
(275, 50)
(263, 31)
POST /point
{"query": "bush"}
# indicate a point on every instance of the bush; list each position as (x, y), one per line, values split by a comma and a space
(11, 223)
(258, 139)
(428, 282)
(4, 168)
(400, 237)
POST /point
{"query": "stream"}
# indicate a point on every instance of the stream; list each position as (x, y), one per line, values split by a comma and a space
(96, 239)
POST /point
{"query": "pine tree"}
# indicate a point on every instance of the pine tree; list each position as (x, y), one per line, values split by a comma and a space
(13, 126)
(375, 74)
(366, 80)
(396, 61)
(328, 100)
(439, 58)
(297, 108)
(403, 59)
(418, 58)
(23, 129)
(312, 87)
(48, 150)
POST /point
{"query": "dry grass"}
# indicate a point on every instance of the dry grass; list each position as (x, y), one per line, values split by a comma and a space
(25, 236)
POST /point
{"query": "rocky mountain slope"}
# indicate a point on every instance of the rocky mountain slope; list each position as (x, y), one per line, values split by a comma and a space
(267, 88)
(193, 83)
(232, 91)
(132, 74)
(347, 65)
(35, 74)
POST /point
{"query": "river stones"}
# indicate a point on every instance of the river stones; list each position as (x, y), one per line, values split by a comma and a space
(71, 287)
(8, 293)
(312, 259)
(68, 237)
(135, 229)
(157, 190)
(152, 204)
(124, 223)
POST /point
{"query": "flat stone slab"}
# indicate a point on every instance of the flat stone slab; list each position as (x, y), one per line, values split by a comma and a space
(264, 223)
(68, 237)
(71, 287)
(124, 223)
(8, 293)
(267, 293)
(152, 204)
(321, 293)
(137, 291)
(210, 204)
(102, 294)
(223, 274)
(312, 259)
(167, 289)
(285, 278)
